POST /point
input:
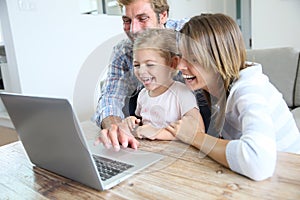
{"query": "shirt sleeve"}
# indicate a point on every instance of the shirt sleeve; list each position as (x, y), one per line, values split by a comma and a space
(254, 153)
(186, 99)
(119, 84)
(176, 24)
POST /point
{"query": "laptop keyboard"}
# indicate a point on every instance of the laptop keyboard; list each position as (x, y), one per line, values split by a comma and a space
(108, 168)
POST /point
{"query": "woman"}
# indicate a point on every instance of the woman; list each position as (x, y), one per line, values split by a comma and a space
(252, 119)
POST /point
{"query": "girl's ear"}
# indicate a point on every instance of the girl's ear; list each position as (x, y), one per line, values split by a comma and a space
(174, 62)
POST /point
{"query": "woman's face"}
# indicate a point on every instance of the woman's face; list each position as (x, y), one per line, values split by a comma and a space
(194, 75)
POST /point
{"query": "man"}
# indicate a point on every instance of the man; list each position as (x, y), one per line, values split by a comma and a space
(121, 84)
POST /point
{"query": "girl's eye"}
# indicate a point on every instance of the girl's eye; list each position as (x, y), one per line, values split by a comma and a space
(150, 65)
(138, 66)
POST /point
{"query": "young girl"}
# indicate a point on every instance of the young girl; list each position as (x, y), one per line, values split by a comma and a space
(253, 121)
(162, 100)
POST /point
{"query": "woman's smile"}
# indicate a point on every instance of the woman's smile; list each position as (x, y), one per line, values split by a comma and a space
(188, 77)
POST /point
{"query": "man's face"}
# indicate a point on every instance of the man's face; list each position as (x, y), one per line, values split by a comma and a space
(139, 16)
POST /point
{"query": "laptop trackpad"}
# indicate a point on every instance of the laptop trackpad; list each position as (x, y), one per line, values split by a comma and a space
(128, 155)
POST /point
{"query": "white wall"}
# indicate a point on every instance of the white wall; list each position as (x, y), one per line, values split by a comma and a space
(51, 40)
(1, 37)
(189, 8)
(275, 23)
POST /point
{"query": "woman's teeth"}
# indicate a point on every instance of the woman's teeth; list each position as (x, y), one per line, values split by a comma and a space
(187, 76)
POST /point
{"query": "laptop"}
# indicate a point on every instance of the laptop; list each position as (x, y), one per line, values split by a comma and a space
(53, 140)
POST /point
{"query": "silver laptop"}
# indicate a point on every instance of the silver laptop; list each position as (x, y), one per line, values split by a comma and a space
(54, 140)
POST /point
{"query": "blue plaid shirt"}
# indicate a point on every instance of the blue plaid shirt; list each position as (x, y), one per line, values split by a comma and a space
(121, 83)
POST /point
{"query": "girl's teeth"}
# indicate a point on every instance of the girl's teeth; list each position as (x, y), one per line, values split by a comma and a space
(146, 79)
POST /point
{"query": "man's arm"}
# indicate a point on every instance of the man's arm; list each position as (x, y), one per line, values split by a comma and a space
(118, 85)
(176, 24)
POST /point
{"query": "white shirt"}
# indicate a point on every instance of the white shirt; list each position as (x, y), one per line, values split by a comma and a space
(258, 123)
(168, 107)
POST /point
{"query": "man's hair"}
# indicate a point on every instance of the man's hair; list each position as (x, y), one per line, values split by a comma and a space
(158, 6)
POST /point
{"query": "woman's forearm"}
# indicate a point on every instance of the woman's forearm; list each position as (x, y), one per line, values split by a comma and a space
(164, 134)
(214, 147)
(191, 131)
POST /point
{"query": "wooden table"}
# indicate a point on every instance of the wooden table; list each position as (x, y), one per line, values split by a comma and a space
(183, 174)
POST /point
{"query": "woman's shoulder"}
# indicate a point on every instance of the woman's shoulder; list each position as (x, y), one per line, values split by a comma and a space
(253, 83)
(252, 76)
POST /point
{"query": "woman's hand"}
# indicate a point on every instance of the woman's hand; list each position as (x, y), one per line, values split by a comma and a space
(152, 133)
(192, 131)
(187, 127)
(147, 131)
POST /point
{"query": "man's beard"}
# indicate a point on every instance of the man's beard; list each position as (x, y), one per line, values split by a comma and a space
(131, 35)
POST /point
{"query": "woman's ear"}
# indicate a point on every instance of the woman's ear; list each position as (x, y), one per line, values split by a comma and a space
(163, 17)
(175, 61)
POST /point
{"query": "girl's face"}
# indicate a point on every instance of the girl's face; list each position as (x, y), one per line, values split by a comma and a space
(194, 75)
(152, 70)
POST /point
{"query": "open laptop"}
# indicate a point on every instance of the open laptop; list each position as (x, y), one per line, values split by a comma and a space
(54, 140)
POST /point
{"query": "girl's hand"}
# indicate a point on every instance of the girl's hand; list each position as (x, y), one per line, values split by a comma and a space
(132, 123)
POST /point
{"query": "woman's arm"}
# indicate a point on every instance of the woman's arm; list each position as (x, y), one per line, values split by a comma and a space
(193, 117)
(253, 154)
(214, 147)
(152, 133)
(191, 131)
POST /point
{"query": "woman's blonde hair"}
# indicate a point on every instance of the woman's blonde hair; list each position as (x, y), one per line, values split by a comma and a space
(216, 41)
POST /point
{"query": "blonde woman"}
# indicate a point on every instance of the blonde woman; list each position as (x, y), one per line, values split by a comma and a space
(252, 120)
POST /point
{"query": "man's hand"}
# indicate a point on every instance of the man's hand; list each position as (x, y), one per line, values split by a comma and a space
(117, 133)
